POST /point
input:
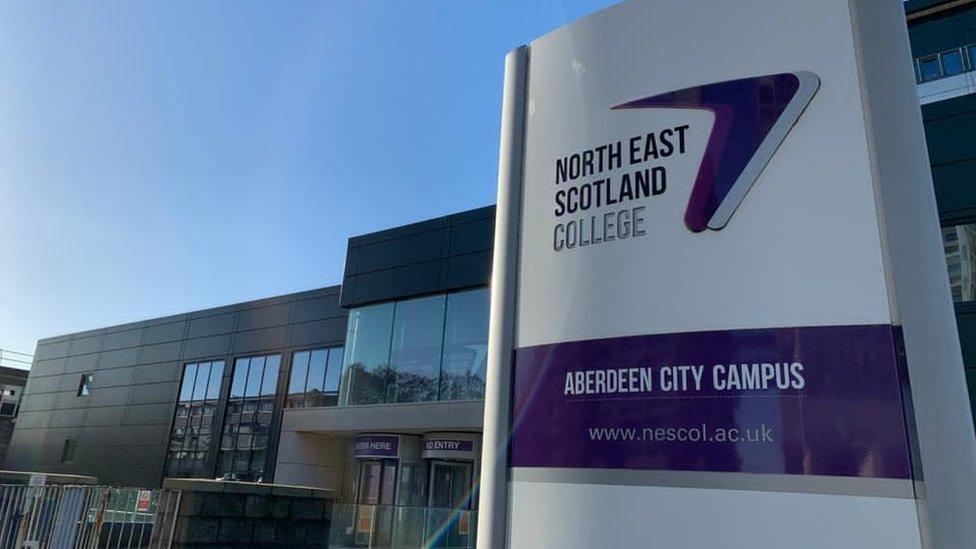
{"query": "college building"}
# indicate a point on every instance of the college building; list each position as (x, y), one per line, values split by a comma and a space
(374, 388)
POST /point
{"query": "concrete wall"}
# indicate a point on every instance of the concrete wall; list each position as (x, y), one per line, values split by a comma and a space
(213, 514)
(311, 459)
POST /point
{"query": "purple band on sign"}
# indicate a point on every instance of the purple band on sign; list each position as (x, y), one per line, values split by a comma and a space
(804, 401)
(448, 445)
(384, 446)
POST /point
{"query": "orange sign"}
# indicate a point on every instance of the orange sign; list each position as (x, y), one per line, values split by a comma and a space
(142, 504)
(365, 523)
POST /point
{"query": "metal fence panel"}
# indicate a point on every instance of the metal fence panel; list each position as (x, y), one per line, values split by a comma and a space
(86, 517)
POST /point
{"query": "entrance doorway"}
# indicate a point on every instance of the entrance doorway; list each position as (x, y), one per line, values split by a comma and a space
(449, 504)
(450, 485)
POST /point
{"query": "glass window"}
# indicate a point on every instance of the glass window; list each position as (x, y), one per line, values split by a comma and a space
(248, 419)
(416, 350)
(952, 62)
(367, 361)
(255, 373)
(972, 56)
(961, 260)
(240, 380)
(465, 346)
(315, 378)
(186, 387)
(334, 371)
(272, 365)
(418, 332)
(190, 440)
(929, 68)
(85, 385)
(200, 386)
(299, 375)
(216, 379)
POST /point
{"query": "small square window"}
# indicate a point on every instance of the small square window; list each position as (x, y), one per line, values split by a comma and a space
(85, 385)
(8, 409)
(68, 450)
(952, 62)
(929, 68)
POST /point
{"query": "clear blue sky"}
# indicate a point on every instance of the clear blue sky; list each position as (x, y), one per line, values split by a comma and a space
(161, 157)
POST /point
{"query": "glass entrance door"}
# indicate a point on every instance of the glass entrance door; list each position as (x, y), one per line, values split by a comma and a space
(450, 484)
(449, 504)
(377, 487)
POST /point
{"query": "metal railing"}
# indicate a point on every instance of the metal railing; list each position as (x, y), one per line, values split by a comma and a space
(401, 527)
(86, 517)
(13, 359)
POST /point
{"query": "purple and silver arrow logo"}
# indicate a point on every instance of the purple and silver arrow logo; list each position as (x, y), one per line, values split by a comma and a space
(752, 118)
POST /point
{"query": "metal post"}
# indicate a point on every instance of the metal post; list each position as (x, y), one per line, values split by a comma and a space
(493, 499)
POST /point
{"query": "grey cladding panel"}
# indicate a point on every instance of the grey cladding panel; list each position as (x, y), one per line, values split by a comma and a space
(206, 347)
(453, 252)
(402, 282)
(38, 402)
(476, 236)
(110, 396)
(142, 414)
(113, 378)
(123, 338)
(105, 416)
(155, 392)
(40, 385)
(212, 325)
(266, 340)
(94, 435)
(52, 350)
(47, 367)
(318, 308)
(401, 251)
(154, 373)
(468, 270)
(144, 435)
(163, 333)
(81, 363)
(119, 357)
(322, 332)
(32, 420)
(86, 345)
(68, 420)
(263, 317)
(161, 353)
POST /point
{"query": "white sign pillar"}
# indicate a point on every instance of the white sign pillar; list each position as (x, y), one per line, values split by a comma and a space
(720, 312)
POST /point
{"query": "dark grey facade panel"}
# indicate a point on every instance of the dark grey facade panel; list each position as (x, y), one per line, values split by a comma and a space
(943, 29)
(206, 347)
(121, 339)
(119, 358)
(439, 255)
(85, 345)
(164, 333)
(122, 428)
(264, 340)
(326, 332)
(160, 371)
(55, 349)
(212, 325)
(952, 150)
(264, 317)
